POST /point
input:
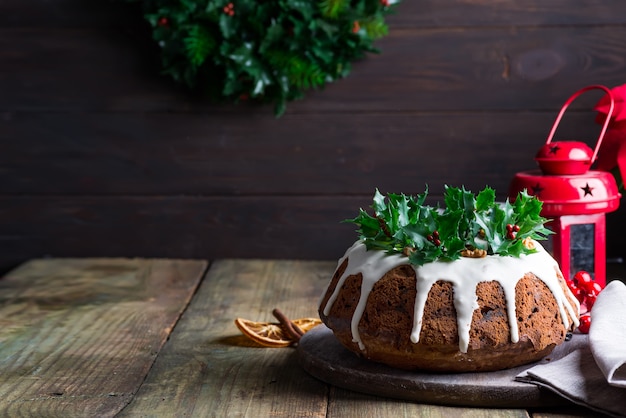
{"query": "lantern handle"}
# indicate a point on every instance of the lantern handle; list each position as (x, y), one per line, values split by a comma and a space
(604, 126)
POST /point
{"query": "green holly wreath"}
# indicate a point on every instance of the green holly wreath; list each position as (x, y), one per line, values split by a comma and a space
(268, 51)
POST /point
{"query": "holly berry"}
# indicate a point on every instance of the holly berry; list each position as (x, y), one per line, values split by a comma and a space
(229, 9)
(585, 324)
(356, 27)
(384, 2)
(434, 238)
(163, 21)
(511, 231)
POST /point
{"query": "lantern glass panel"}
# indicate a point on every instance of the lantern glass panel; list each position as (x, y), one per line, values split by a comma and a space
(582, 248)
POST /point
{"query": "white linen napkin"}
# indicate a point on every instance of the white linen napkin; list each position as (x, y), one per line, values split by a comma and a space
(595, 374)
(607, 335)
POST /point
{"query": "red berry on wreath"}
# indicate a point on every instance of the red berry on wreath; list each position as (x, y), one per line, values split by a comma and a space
(229, 9)
(585, 324)
(384, 2)
(163, 21)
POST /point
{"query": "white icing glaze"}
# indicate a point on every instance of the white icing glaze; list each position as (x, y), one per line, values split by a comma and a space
(464, 274)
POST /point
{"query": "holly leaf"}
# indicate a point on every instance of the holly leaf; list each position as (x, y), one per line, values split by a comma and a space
(485, 199)
(404, 224)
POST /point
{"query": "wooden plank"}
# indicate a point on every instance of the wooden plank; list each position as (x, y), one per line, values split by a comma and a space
(425, 13)
(527, 68)
(464, 69)
(309, 154)
(302, 227)
(209, 369)
(78, 336)
(276, 227)
(347, 404)
(480, 13)
(51, 14)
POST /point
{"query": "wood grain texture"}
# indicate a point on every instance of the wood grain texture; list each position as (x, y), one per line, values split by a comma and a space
(300, 227)
(78, 336)
(94, 140)
(349, 404)
(425, 13)
(455, 69)
(109, 154)
(323, 356)
(209, 369)
(296, 227)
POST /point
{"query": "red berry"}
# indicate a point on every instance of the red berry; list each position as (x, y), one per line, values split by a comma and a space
(437, 242)
(436, 234)
(576, 291)
(585, 324)
(583, 280)
(591, 295)
(509, 227)
(595, 290)
(516, 228)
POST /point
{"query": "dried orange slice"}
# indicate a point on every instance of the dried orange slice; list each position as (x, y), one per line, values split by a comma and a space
(306, 324)
(268, 334)
(271, 334)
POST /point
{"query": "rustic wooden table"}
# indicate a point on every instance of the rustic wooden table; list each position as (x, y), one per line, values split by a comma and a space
(155, 337)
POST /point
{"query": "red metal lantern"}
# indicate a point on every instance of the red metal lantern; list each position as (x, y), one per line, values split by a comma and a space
(575, 197)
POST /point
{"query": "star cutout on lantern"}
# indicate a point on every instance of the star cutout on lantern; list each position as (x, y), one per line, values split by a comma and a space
(554, 149)
(587, 190)
(537, 189)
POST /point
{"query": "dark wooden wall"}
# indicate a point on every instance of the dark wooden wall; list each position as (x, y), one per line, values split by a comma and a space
(100, 156)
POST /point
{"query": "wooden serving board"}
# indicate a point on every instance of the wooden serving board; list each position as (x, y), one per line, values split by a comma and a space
(322, 356)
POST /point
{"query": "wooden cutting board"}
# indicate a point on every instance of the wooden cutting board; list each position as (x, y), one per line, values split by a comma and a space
(322, 356)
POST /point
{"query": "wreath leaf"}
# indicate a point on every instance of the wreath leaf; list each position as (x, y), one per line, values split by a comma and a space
(269, 52)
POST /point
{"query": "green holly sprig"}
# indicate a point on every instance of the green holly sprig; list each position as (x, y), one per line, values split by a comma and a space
(269, 51)
(403, 224)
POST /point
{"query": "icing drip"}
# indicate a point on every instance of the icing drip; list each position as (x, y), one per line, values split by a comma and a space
(464, 274)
